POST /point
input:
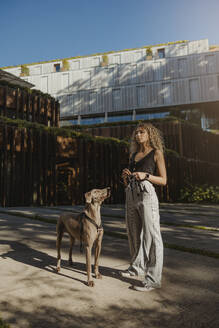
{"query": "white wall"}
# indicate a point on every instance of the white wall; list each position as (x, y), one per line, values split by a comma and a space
(189, 73)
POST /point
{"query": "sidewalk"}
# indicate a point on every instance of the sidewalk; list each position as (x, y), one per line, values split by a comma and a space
(179, 222)
(33, 295)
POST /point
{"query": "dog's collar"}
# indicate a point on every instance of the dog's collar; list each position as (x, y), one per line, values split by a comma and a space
(85, 216)
(99, 227)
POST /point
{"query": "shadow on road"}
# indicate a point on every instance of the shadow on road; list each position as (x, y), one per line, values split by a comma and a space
(188, 297)
(24, 254)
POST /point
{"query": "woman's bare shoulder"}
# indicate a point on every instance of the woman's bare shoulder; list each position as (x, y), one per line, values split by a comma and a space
(158, 154)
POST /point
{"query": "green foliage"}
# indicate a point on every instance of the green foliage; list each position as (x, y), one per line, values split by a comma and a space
(214, 46)
(24, 70)
(200, 194)
(30, 91)
(65, 64)
(103, 53)
(3, 324)
(148, 51)
(171, 152)
(105, 60)
(63, 132)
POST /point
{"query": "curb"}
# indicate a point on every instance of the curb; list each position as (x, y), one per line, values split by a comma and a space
(162, 223)
(192, 250)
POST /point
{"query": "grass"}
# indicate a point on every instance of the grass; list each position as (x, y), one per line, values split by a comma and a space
(3, 324)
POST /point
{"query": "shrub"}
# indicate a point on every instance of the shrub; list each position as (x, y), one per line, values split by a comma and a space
(65, 65)
(200, 194)
(105, 60)
(148, 51)
(24, 70)
(3, 324)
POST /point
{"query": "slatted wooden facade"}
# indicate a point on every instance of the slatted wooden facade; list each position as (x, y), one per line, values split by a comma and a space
(38, 167)
(27, 167)
(187, 75)
(189, 141)
(18, 103)
(120, 88)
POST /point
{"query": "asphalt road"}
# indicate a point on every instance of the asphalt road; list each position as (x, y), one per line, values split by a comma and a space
(32, 294)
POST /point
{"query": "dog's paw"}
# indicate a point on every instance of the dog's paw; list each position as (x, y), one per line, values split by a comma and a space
(90, 283)
(58, 269)
(98, 276)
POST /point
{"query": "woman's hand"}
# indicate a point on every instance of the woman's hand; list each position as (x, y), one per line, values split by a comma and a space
(139, 175)
(125, 173)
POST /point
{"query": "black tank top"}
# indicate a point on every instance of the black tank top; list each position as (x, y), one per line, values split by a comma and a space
(145, 164)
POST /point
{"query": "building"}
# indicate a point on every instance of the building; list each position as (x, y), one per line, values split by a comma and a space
(178, 77)
(6, 77)
(19, 101)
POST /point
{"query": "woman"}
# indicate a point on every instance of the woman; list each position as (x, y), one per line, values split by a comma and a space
(142, 208)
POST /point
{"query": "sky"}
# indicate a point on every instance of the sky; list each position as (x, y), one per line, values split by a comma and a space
(41, 30)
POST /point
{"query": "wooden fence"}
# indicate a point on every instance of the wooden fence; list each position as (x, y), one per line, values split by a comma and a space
(25, 104)
(189, 141)
(27, 167)
(40, 168)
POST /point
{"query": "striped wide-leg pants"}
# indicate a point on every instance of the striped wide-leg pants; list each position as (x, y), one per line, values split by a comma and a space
(143, 228)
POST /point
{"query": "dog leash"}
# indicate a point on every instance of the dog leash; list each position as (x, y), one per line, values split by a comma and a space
(136, 184)
(98, 227)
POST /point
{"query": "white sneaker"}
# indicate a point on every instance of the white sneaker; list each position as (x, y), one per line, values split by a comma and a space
(127, 274)
(145, 288)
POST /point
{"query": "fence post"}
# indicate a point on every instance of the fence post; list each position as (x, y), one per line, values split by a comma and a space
(180, 139)
(5, 100)
(4, 167)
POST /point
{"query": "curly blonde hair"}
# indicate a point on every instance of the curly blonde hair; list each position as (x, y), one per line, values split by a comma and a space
(155, 138)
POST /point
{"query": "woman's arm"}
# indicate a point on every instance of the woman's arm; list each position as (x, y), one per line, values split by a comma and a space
(125, 173)
(161, 179)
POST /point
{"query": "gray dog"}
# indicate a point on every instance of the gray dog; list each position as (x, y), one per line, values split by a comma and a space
(85, 227)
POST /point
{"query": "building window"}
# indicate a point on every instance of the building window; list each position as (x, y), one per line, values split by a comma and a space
(166, 91)
(110, 75)
(211, 63)
(119, 118)
(92, 120)
(182, 67)
(133, 73)
(87, 79)
(141, 96)
(161, 53)
(151, 116)
(93, 102)
(116, 99)
(194, 90)
(57, 67)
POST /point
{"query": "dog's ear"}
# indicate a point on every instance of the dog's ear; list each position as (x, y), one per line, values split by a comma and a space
(88, 197)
